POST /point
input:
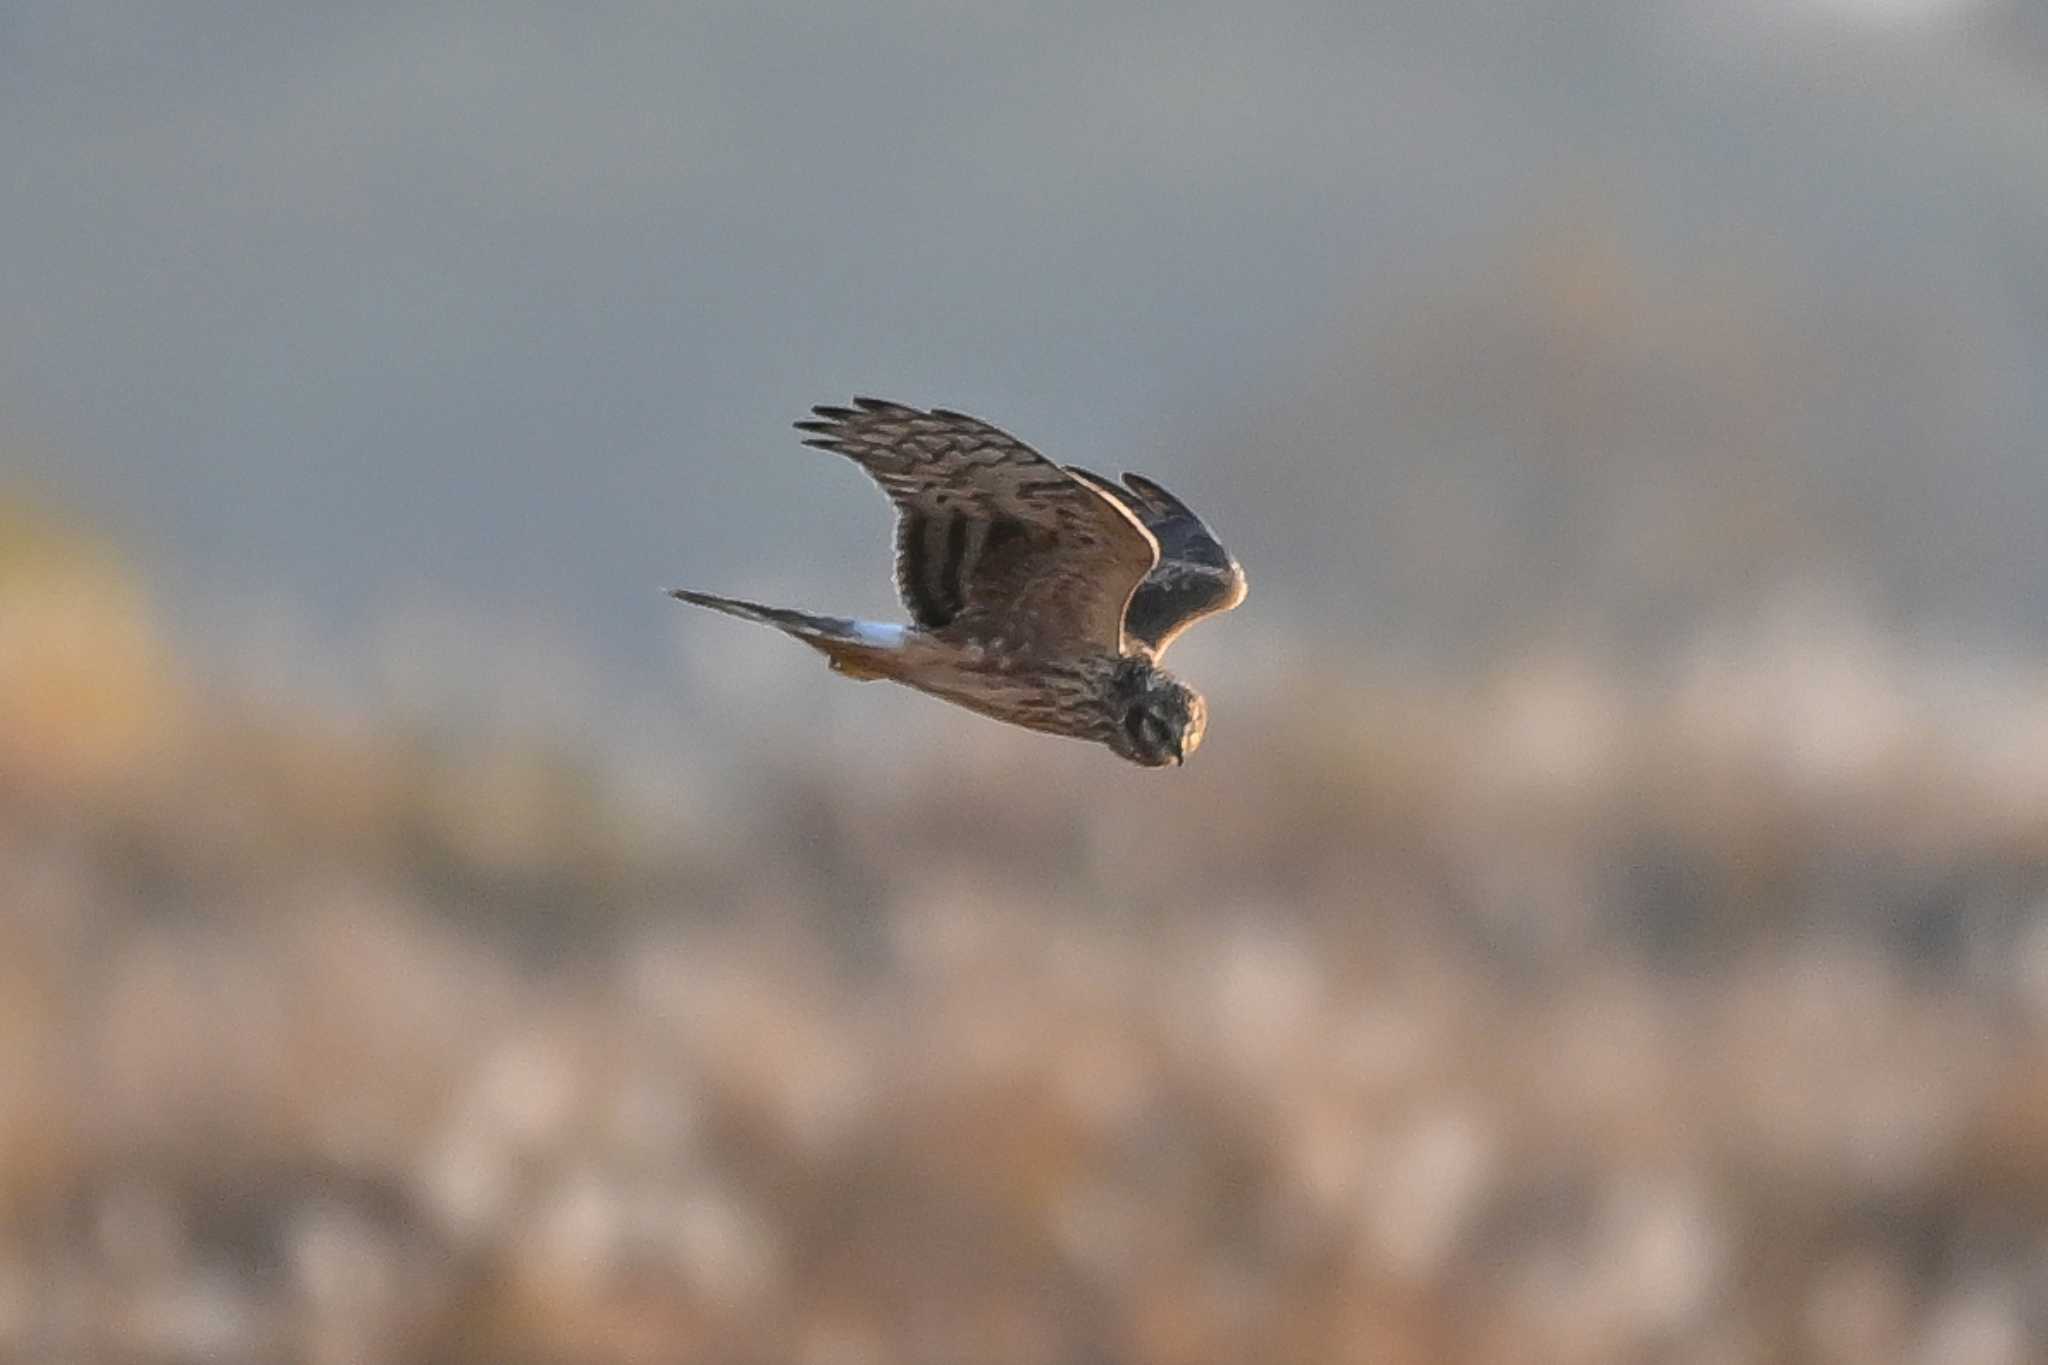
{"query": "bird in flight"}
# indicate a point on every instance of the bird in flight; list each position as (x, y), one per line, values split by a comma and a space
(1039, 594)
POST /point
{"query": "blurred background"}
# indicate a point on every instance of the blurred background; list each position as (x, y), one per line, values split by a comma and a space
(1607, 922)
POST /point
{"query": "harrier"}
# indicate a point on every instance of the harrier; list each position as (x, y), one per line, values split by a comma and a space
(1039, 594)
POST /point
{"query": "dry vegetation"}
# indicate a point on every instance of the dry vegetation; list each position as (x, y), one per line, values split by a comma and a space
(1547, 1019)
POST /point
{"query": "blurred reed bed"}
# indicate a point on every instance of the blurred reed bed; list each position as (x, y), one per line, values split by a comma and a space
(1550, 1014)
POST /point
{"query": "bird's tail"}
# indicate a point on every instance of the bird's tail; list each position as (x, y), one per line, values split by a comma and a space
(859, 649)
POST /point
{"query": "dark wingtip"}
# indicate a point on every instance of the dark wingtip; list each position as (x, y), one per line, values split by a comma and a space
(1153, 493)
(867, 404)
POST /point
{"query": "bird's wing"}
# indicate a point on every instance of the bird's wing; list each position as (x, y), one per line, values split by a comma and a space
(993, 540)
(1195, 576)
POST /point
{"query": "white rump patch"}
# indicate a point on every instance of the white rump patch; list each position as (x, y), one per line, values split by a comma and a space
(879, 634)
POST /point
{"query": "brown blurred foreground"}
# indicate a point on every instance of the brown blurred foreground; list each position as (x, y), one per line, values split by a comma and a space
(1550, 1018)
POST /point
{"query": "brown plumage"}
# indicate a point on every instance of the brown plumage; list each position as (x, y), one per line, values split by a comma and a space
(1038, 595)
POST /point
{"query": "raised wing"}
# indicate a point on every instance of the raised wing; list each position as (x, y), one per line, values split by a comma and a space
(992, 539)
(1195, 576)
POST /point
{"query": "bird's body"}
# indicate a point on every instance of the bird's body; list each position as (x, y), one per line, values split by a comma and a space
(1039, 595)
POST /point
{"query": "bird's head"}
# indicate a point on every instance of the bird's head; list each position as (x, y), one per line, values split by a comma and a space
(1159, 718)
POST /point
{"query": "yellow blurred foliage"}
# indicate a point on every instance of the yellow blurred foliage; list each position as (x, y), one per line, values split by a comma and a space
(87, 690)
